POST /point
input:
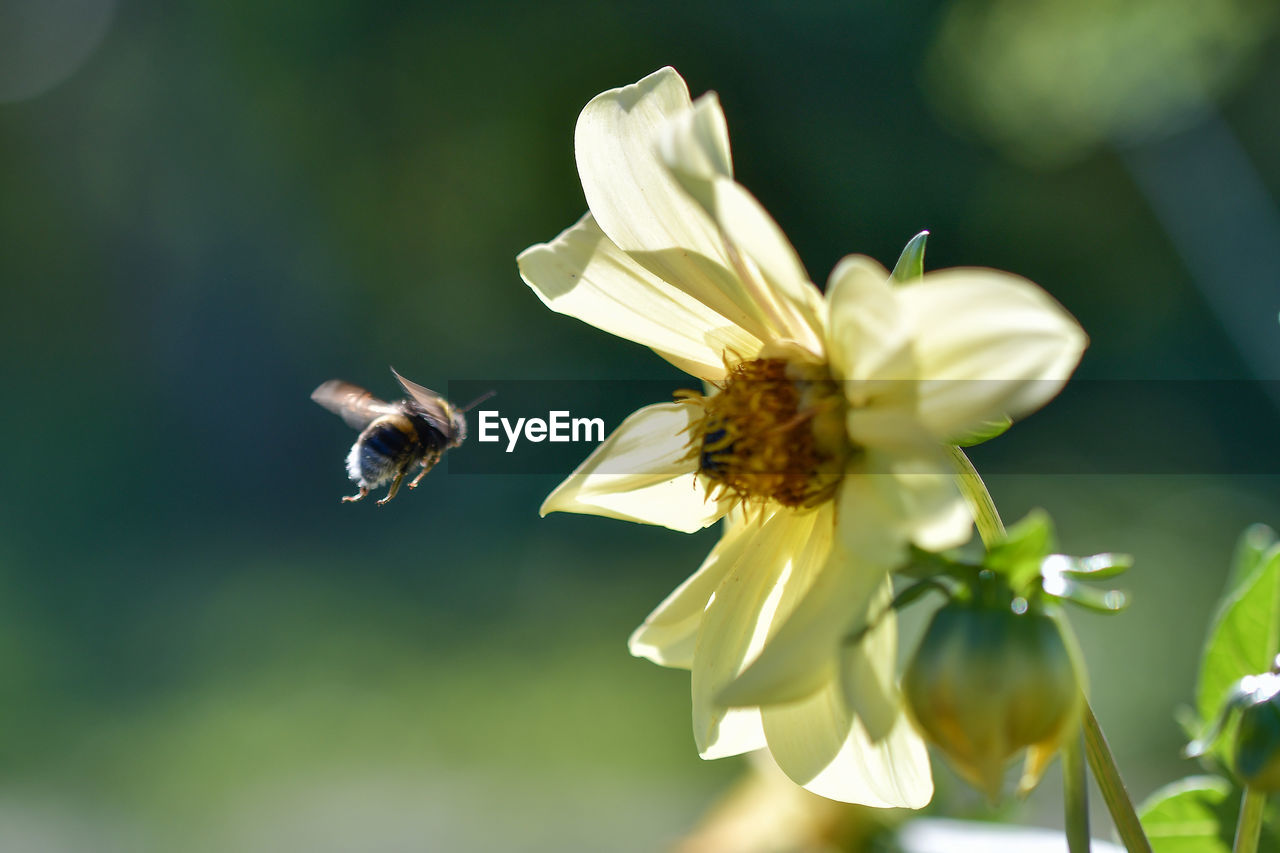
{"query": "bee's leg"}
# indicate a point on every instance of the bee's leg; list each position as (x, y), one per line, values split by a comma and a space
(395, 487)
(353, 498)
(428, 463)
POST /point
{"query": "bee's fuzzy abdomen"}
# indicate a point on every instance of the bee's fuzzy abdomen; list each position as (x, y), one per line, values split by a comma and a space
(385, 448)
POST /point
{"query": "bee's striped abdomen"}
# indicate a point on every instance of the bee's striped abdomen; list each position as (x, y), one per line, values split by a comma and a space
(387, 446)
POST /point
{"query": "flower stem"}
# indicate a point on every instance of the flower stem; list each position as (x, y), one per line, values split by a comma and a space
(1107, 775)
(1249, 827)
(985, 515)
(1101, 761)
(1075, 794)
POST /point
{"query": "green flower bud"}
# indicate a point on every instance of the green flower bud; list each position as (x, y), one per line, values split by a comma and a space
(1257, 746)
(987, 682)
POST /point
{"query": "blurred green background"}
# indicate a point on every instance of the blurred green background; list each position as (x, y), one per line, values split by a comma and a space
(207, 209)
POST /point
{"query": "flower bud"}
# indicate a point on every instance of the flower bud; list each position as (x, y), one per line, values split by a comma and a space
(987, 682)
(1257, 745)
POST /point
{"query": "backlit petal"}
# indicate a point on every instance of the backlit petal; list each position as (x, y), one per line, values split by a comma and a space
(867, 668)
(583, 274)
(872, 523)
(638, 203)
(800, 657)
(670, 632)
(694, 146)
(868, 336)
(900, 498)
(737, 621)
(930, 509)
(820, 746)
(640, 473)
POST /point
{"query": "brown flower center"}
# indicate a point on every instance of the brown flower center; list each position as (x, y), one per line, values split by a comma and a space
(774, 432)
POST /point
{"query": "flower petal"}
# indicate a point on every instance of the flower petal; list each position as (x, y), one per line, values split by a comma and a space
(669, 634)
(868, 335)
(869, 345)
(583, 274)
(640, 474)
(987, 344)
(800, 657)
(878, 512)
(872, 521)
(694, 145)
(867, 669)
(908, 497)
(738, 619)
(890, 425)
(640, 206)
(737, 730)
(820, 746)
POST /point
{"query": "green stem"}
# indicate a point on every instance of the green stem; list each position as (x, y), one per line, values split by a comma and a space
(1107, 775)
(1101, 761)
(1075, 795)
(1249, 828)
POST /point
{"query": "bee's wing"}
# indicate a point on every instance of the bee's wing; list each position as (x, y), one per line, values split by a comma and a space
(352, 403)
(435, 407)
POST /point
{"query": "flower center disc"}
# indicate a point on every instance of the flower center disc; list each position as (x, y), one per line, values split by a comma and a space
(774, 432)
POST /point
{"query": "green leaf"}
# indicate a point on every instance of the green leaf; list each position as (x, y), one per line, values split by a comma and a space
(1193, 815)
(925, 564)
(1244, 637)
(984, 431)
(911, 262)
(1198, 815)
(1098, 567)
(1025, 546)
(1091, 598)
(1253, 544)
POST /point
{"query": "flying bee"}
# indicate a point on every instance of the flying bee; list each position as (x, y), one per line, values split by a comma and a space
(396, 436)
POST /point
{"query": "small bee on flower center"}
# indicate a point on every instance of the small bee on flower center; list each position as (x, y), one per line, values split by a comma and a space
(775, 431)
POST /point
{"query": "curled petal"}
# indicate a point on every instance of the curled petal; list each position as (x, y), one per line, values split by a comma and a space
(988, 344)
(694, 145)
(640, 474)
(868, 335)
(583, 274)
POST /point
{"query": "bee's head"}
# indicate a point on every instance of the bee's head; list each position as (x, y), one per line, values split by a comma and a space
(459, 423)
(459, 417)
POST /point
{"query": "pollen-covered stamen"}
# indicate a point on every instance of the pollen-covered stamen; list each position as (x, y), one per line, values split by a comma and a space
(774, 432)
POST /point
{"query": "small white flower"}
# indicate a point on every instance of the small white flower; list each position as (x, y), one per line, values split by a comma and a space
(822, 446)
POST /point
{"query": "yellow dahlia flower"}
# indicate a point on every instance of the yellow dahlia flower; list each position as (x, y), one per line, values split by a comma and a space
(821, 439)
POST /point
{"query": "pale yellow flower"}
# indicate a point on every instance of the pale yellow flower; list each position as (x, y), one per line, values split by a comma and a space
(825, 431)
